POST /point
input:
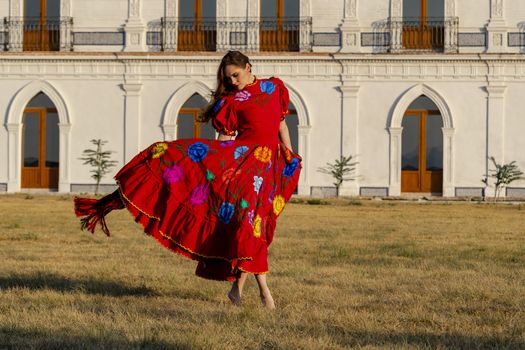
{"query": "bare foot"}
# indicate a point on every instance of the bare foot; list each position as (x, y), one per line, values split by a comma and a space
(267, 300)
(235, 296)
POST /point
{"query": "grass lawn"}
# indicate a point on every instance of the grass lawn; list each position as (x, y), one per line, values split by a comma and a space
(347, 275)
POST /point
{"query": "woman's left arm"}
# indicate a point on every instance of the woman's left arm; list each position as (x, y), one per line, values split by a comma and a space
(284, 134)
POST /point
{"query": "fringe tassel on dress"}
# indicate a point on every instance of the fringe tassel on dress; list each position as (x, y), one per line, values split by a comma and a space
(95, 210)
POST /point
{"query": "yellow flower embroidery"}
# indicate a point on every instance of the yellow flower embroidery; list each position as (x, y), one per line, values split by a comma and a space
(257, 223)
(278, 204)
(158, 150)
(263, 154)
(288, 155)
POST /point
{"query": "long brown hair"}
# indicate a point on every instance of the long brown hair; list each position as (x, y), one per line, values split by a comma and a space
(224, 87)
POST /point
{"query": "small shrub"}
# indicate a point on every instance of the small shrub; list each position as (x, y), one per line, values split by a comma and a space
(341, 171)
(99, 160)
(502, 175)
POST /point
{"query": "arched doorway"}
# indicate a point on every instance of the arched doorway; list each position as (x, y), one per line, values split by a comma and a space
(422, 148)
(40, 144)
(187, 124)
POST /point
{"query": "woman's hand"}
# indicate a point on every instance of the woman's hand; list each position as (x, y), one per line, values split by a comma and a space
(284, 135)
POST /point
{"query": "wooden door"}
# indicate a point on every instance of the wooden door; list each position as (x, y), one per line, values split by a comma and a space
(279, 27)
(422, 152)
(41, 25)
(40, 148)
(197, 25)
(423, 27)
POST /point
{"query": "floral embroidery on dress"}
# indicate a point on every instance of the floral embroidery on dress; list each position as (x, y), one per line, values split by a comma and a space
(229, 174)
(226, 212)
(158, 150)
(257, 226)
(173, 174)
(242, 96)
(199, 195)
(278, 204)
(251, 214)
(227, 143)
(290, 168)
(264, 154)
(198, 151)
(218, 104)
(244, 204)
(267, 86)
(257, 182)
(209, 175)
(240, 152)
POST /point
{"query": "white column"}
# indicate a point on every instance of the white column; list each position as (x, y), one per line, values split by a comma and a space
(350, 41)
(132, 120)
(253, 44)
(497, 28)
(394, 188)
(65, 26)
(14, 156)
(305, 27)
(303, 188)
(64, 184)
(349, 135)
(495, 124)
(134, 28)
(448, 163)
(170, 132)
(223, 32)
(15, 30)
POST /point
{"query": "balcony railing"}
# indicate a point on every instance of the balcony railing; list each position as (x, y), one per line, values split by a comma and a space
(39, 34)
(431, 34)
(236, 33)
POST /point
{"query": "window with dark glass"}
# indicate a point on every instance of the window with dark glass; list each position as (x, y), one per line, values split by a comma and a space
(187, 124)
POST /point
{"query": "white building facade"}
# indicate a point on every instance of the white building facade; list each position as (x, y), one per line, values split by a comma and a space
(420, 92)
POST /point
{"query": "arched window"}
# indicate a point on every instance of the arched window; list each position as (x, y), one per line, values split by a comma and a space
(423, 24)
(41, 25)
(40, 144)
(279, 28)
(422, 148)
(197, 25)
(187, 124)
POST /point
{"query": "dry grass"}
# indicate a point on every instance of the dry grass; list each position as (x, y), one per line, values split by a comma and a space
(355, 274)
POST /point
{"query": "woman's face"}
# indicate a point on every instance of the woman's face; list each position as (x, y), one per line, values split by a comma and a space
(238, 77)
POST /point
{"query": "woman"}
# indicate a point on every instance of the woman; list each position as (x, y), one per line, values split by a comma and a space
(215, 201)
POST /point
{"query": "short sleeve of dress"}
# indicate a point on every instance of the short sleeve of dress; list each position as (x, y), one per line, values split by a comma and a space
(225, 120)
(284, 97)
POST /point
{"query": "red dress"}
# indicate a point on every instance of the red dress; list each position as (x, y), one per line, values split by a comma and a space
(218, 201)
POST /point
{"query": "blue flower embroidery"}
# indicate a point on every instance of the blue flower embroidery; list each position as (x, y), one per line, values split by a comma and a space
(290, 168)
(240, 152)
(198, 151)
(218, 105)
(267, 86)
(226, 212)
(257, 182)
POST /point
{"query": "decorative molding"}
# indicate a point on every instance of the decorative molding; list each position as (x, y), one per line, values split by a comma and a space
(15, 8)
(65, 8)
(305, 11)
(350, 9)
(375, 39)
(396, 11)
(171, 8)
(450, 8)
(253, 9)
(222, 9)
(496, 8)
(516, 39)
(134, 8)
